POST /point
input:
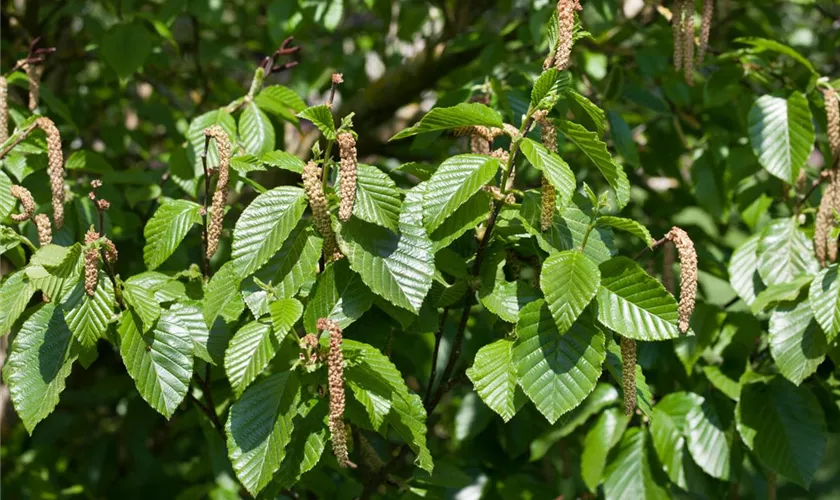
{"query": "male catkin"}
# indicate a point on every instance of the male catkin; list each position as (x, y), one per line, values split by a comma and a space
(42, 222)
(347, 168)
(26, 201)
(55, 170)
(33, 74)
(335, 377)
(628, 374)
(320, 211)
(688, 274)
(217, 208)
(565, 32)
(705, 29)
(4, 110)
(677, 31)
(548, 194)
(688, 41)
(91, 263)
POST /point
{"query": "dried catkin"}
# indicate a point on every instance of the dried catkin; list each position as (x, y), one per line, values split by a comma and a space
(217, 207)
(688, 274)
(688, 41)
(33, 74)
(335, 369)
(677, 30)
(42, 222)
(705, 29)
(628, 374)
(347, 168)
(4, 110)
(565, 32)
(111, 253)
(91, 263)
(832, 118)
(320, 211)
(56, 168)
(26, 201)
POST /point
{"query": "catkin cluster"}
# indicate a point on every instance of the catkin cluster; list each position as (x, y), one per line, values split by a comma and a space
(56, 167)
(548, 194)
(26, 201)
(217, 207)
(91, 263)
(565, 32)
(335, 369)
(682, 22)
(705, 28)
(4, 110)
(628, 374)
(42, 222)
(347, 168)
(320, 211)
(688, 274)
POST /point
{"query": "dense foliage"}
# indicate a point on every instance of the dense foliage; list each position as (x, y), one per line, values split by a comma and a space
(363, 248)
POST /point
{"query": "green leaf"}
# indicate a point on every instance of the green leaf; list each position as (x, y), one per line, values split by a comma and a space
(165, 230)
(281, 101)
(377, 197)
(587, 112)
(596, 151)
(548, 88)
(601, 438)
(494, 375)
(784, 426)
(253, 347)
(709, 438)
(207, 346)
(255, 130)
(306, 447)
(288, 270)
(667, 431)
(556, 371)
(501, 297)
(825, 302)
(630, 474)
(570, 281)
(743, 270)
(796, 341)
(284, 160)
(222, 297)
(160, 361)
(783, 292)
(462, 115)
(40, 359)
(399, 268)
(195, 136)
(375, 374)
(555, 170)
(468, 216)
(785, 253)
(627, 225)
(142, 301)
(635, 305)
(7, 201)
(623, 139)
(264, 226)
(321, 116)
(339, 295)
(164, 287)
(782, 134)
(15, 293)
(88, 317)
(246, 163)
(125, 47)
(88, 161)
(54, 257)
(453, 183)
(259, 427)
(764, 44)
(721, 382)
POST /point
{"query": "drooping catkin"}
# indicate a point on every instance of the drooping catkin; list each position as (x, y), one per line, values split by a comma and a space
(26, 201)
(91, 263)
(335, 377)
(628, 374)
(548, 194)
(111, 253)
(688, 274)
(4, 110)
(688, 41)
(56, 168)
(33, 74)
(369, 455)
(320, 211)
(217, 207)
(565, 31)
(42, 222)
(824, 221)
(832, 118)
(677, 31)
(347, 168)
(705, 29)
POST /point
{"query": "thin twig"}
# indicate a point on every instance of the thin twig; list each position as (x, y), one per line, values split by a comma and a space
(20, 138)
(651, 248)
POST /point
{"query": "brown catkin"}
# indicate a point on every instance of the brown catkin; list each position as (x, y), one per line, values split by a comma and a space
(628, 374)
(705, 29)
(688, 41)
(42, 222)
(347, 169)
(56, 168)
(677, 30)
(335, 377)
(217, 207)
(4, 110)
(91, 263)
(111, 253)
(33, 74)
(26, 201)
(565, 32)
(548, 204)
(823, 223)
(688, 274)
(832, 118)
(320, 211)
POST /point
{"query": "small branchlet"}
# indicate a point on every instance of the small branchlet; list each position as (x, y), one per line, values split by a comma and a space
(335, 369)
(26, 201)
(217, 208)
(628, 374)
(91, 263)
(320, 211)
(55, 168)
(688, 274)
(347, 168)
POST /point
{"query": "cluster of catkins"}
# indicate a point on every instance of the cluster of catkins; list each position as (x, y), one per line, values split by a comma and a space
(348, 165)
(824, 245)
(335, 377)
(217, 208)
(682, 22)
(688, 274)
(320, 210)
(560, 57)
